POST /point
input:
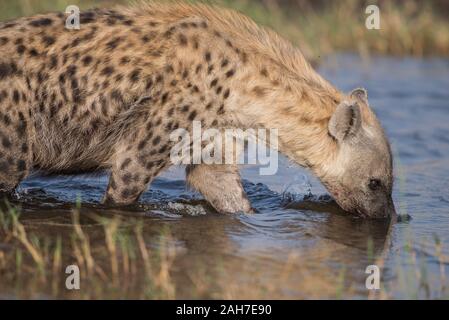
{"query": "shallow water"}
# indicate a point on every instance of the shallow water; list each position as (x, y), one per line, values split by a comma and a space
(297, 226)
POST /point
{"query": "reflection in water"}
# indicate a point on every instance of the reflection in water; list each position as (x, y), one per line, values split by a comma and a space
(254, 247)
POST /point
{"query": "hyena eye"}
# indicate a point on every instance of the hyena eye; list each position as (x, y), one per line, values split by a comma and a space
(374, 184)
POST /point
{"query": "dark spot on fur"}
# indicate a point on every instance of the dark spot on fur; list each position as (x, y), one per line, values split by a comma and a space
(111, 45)
(48, 40)
(43, 22)
(126, 178)
(6, 142)
(107, 71)
(258, 91)
(169, 32)
(87, 17)
(118, 77)
(6, 120)
(16, 96)
(208, 56)
(196, 43)
(169, 69)
(230, 73)
(4, 167)
(3, 41)
(22, 126)
(182, 40)
(53, 61)
(149, 84)
(264, 72)
(226, 94)
(163, 149)
(61, 79)
(21, 49)
(164, 98)
(134, 75)
(86, 60)
(214, 82)
(225, 63)
(21, 165)
(185, 108)
(126, 193)
(117, 96)
(192, 115)
(156, 140)
(24, 147)
(125, 60)
(6, 70)
(33, 52)
(71, 70)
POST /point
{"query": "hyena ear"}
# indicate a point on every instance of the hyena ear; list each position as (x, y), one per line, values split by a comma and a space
(360, 94)
(346, 121)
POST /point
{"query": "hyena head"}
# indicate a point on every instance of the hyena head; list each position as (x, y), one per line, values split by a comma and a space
(360, 177)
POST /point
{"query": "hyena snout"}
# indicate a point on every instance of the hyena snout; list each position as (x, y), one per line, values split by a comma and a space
(378, 209)
(367, 205)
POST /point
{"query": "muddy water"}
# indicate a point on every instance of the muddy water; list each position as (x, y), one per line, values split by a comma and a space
(299, 244)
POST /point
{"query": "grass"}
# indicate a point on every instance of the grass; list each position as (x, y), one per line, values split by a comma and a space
(106, 271)
(318, 28)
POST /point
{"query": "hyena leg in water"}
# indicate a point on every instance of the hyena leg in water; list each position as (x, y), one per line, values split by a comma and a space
(131, 174)
(221, 186)
(15, 156)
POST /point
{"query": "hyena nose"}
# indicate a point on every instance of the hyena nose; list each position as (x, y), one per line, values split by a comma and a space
(387, 211)
(390, 210)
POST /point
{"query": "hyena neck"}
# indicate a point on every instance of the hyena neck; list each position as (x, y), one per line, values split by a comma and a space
(298, 105)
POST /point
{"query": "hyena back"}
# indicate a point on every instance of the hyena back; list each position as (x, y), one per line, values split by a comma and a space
(107, 96)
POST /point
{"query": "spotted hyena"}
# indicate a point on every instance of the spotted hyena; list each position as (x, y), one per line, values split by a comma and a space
(107, 96)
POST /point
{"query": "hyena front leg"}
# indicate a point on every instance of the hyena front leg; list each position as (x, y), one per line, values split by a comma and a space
(132, 172)
(221, 186)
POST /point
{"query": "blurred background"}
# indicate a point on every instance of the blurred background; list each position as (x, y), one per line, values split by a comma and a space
(408, 27)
